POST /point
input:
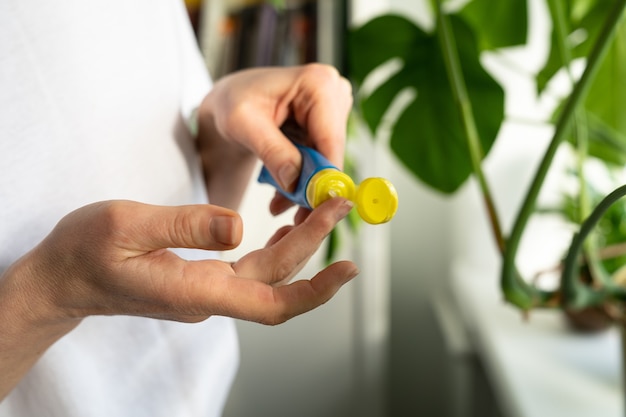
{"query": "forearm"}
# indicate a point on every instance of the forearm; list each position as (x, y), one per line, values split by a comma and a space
(27, 325)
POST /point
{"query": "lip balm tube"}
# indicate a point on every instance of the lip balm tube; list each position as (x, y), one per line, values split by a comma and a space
(375, 199)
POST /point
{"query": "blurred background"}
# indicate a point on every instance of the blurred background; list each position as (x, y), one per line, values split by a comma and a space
(422, 331)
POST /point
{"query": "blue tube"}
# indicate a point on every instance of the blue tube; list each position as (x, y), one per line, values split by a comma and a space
(312, 163)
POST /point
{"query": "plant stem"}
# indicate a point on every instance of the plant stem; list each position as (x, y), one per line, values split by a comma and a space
(563, 125)
(459, 91)
(576, 294)
(561, 30)
(580, 132)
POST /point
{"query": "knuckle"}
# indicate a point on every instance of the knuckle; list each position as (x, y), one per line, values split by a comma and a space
(238, 111)
(328, 82)
(230, 121)
(282, 269)
(347, 87)
(270, 150)
(119, 222)
(279, 311)
(272, 153)
(321, 72)
(321, 225)
(114, 215)
(182, 232)
(277, 318)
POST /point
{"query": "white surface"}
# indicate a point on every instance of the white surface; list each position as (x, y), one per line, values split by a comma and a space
(538, 367)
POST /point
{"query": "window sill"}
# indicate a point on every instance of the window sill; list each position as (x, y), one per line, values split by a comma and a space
(535, 367)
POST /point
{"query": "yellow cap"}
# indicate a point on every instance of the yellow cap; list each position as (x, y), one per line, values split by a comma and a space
(329, 183)
(376, 200)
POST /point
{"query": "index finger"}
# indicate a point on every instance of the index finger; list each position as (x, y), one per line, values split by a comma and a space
(326, 118)
(320, 100)
(287, 255)
(321, 106)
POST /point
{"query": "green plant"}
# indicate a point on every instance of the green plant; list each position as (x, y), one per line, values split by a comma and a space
(610, 233)
(445, 132)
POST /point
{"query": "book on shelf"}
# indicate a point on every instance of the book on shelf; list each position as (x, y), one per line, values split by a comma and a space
(262, 35)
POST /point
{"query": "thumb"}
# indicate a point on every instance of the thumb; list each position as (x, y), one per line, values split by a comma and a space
(191, 226)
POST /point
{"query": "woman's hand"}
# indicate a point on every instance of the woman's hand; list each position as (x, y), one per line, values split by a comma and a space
(112, 258)
(258, 112)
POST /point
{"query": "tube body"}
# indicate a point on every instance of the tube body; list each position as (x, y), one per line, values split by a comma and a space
(376, 199)
(312, 163)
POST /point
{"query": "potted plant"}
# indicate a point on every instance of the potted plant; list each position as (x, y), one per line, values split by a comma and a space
(459, 108)
(609, 240)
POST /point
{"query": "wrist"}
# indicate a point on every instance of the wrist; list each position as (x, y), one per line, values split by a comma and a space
(29, 304)
(29, 324)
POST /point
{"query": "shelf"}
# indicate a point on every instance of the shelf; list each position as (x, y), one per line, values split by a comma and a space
(538, 366)
(242, 34)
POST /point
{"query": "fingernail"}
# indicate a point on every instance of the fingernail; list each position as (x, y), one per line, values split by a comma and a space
(356, 271)
(223, 229)
(353, 273)
(344, 209)
(288, 175)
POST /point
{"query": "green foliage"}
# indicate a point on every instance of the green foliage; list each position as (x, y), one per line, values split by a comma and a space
(497, 24)
(604, 106)
(428, 136)
(450, 126)
(610, 229)
(583, 20)
(606, 103)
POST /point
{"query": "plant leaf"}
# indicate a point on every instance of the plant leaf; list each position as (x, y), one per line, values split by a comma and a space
(379, 40)
(584, 17)
(427, 136)
(498, 24)
(603, 105)
(607, 95)
(605, 143)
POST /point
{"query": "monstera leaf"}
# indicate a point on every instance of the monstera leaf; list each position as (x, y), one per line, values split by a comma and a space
(427, 137)
(497, 24)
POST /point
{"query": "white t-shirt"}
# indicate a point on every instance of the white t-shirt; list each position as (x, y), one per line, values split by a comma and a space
(93, 100)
